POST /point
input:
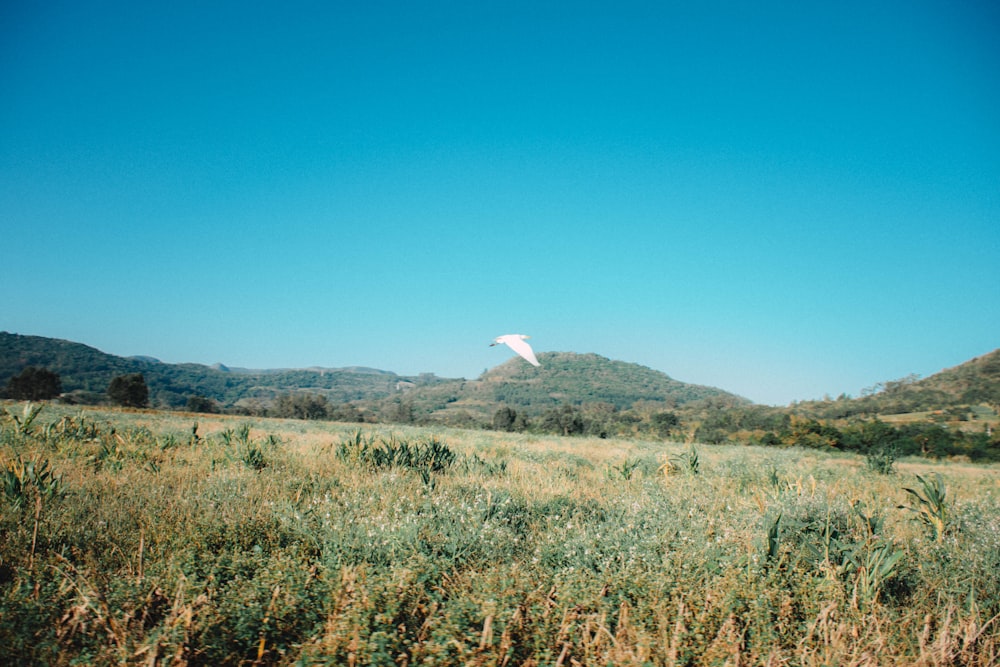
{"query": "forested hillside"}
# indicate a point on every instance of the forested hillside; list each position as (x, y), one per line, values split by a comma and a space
(975, 382)
(588, 382)
(86, 373)
(593, 393)
(951, 413)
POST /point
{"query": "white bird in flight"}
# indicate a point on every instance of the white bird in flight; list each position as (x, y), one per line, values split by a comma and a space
(516, 343)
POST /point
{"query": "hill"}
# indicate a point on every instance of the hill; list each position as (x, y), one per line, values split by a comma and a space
(86, 372)
(973, 383)
(564, 378)
(610, 396)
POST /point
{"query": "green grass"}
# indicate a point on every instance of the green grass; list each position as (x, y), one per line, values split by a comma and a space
(143, 538)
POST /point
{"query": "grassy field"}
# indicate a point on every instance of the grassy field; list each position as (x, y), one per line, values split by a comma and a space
(163, 538)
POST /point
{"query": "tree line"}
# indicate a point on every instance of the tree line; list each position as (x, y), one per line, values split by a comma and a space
(708, 422)
(130, 390)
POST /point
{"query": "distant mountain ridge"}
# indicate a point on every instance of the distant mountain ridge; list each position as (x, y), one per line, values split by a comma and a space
(566, 378)
(86, 372)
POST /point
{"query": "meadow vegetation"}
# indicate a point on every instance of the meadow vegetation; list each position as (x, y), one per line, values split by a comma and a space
(155, 538)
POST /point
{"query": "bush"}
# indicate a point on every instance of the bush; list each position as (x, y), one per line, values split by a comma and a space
(302, 406)
(882, 459)
(34, 384)
(201, 404)
(129, 391)
(430, 455)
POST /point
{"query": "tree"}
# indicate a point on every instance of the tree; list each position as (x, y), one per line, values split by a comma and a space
(346, 412)
(564, 420)
(34, 384)
(302, 405)
(665, 422)
(201, 404)
(504, 419)
(403, 412)
(129, 391)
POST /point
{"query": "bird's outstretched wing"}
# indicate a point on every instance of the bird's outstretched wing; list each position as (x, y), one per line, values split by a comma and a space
(516, 343)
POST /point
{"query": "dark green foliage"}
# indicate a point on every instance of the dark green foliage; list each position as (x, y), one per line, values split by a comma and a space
(578, 394)
(253, 457)
(687, 462)
(665, 423)
(882, 459)
(86, 372)
(302, 405)
(976, 381)
(929, 505)
(201, 404)
(505, 419)
(564, 420)
(346, 412)
(23, 481)
(773, 540)
(378, 452)
(625, 469)
(612, 397)
(34, 384)
(129, 391)
(881, 443)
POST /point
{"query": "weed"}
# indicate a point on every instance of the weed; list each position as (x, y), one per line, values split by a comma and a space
(625, 470)
(687, 462)
(230, 437)
(872, 522)
(431, 455)
(775, 479)
(773, 540)
(24, 480)
(930, 506)
(872, 564)
(473, 463)
(253, 457)
(73, 429)
(882, 460)
(23, 423)
(110, 456)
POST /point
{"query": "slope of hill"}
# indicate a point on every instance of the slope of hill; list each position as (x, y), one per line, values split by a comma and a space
(975, 382)
(580, 380)
(564, 378)
(86, 372)
(81, 368)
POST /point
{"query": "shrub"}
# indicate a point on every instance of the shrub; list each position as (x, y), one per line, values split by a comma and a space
(429, 455)
(34, 384)
(129, 391)
(882, 460)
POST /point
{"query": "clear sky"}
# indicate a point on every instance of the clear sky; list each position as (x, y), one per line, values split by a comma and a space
(783, 200)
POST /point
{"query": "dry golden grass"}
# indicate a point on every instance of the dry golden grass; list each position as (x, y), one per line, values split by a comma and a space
(162, 548)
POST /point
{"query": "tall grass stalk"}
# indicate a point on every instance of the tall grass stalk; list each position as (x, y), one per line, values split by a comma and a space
(929, 505)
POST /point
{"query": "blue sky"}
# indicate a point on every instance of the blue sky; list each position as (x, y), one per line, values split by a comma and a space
(782, 201)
